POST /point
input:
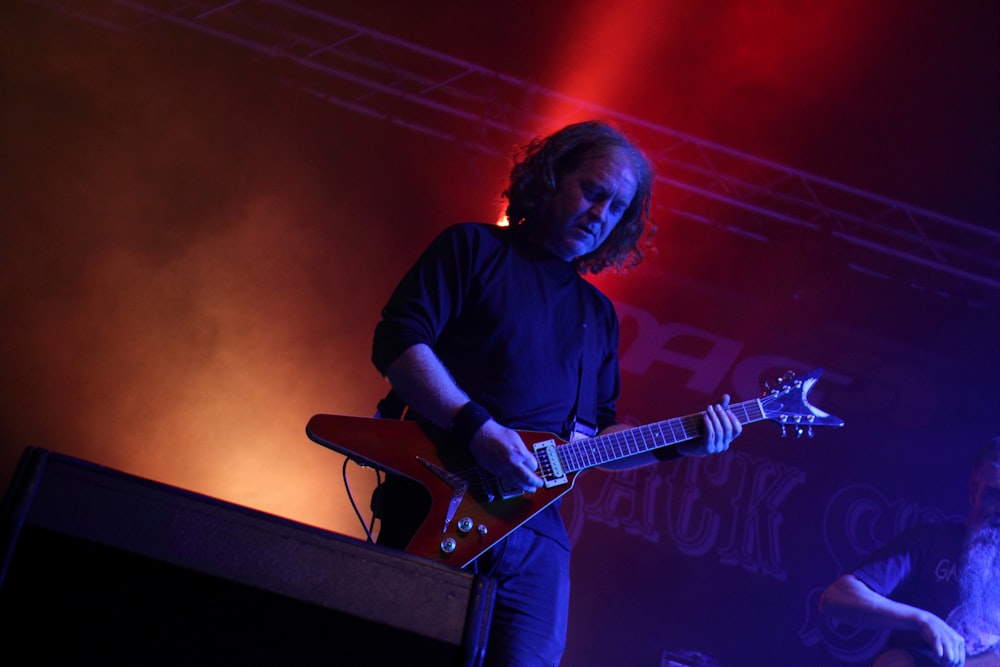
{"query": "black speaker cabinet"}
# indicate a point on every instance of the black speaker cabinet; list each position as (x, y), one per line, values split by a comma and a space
(101, 567)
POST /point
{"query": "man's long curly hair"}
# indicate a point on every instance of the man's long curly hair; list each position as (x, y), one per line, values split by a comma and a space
(539, 167)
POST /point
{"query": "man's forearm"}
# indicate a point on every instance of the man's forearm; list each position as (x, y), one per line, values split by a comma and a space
(422, 381)
(848, 598)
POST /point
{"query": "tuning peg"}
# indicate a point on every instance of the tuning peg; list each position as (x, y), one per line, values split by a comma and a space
(782, 381)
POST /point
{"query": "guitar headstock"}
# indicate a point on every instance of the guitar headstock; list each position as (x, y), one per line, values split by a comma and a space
(788, 404)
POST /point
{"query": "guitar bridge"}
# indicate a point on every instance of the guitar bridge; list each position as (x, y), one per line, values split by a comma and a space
(549, 464)
(492, 488)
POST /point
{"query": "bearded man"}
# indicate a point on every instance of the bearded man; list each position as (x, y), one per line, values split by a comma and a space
(935, 586)
(977, 618)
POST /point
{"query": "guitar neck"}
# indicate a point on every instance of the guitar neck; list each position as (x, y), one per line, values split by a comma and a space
(598, 450)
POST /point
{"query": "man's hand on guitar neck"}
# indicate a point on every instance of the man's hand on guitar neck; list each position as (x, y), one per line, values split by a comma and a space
(720, 426)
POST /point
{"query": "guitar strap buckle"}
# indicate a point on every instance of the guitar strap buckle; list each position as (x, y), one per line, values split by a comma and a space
(579, 430)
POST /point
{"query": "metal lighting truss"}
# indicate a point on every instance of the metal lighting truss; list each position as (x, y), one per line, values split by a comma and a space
(383, 77)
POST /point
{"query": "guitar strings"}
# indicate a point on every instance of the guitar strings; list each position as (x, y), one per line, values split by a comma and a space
(571, 453)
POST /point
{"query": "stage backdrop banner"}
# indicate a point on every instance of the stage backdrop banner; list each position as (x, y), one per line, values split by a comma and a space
(721, 560)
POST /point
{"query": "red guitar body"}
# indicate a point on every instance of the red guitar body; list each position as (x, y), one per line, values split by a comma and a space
(404, 448)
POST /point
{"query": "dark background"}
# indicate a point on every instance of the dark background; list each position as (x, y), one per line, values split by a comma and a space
(195, 253)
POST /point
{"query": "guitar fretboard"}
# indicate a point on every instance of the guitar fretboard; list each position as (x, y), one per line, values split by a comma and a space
(587, 453)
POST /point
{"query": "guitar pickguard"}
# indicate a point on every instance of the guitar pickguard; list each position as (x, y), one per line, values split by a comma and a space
(458, 489)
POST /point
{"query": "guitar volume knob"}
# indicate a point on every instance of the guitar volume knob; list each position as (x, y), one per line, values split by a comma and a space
(448, 545)
(464, 525)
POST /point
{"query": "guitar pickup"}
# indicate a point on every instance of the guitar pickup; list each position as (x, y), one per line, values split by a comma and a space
(549, 464)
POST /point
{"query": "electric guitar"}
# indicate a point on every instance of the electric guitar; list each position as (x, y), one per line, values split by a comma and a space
(471, 509)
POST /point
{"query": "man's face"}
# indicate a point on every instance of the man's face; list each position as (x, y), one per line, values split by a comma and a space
(586, 206)
(984, 491)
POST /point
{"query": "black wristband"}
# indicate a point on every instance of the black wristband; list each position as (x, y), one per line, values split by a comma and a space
(667, 454)
(469, 419)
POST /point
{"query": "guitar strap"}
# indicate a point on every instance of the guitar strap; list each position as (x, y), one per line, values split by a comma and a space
(391, 407)
(582, 421)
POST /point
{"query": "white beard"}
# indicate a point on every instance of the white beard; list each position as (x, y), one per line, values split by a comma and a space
(977, 617)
